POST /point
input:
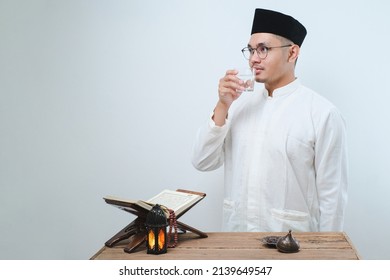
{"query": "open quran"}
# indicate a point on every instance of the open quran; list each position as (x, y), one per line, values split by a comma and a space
(179, 201)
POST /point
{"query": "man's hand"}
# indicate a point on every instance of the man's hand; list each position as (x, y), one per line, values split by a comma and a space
(229, 89)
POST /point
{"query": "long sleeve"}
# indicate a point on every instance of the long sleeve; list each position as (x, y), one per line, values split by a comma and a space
(208, 149)
(332, 172)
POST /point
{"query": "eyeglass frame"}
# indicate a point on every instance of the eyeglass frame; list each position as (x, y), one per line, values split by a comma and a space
(252, 50)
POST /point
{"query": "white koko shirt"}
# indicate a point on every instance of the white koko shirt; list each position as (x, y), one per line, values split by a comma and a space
(285, 161)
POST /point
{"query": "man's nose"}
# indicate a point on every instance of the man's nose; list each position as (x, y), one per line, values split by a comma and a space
(254, 59)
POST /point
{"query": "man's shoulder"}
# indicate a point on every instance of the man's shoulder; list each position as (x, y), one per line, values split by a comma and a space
(321, 109)
(317, 100)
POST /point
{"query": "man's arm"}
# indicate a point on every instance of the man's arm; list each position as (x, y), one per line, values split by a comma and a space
(332, 172)
(208, 151)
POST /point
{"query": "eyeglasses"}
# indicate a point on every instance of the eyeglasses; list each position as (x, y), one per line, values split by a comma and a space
(261, 50)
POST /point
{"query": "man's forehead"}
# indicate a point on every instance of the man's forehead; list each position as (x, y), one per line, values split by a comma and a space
(263, 39)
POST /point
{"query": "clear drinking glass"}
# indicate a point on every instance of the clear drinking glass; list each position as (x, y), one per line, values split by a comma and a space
(246, 75)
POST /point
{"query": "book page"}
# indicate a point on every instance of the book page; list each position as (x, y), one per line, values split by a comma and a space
(125, 204)
(118, 199)
(177, 201)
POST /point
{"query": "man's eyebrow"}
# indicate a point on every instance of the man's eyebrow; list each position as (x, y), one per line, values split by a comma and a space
(258, 45)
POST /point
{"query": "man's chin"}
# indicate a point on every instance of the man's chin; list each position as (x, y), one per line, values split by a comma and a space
(259, 80)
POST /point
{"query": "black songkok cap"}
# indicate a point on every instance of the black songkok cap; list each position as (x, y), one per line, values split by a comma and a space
(267, 21)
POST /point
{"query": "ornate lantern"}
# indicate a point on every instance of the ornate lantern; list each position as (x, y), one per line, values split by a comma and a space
(156, 228)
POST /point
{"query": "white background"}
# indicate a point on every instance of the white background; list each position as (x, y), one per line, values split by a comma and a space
(105, 97)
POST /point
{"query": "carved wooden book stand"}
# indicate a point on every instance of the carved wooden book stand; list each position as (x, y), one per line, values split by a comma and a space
(136, 232)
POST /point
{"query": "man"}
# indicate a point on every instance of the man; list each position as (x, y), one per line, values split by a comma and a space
(283, 148)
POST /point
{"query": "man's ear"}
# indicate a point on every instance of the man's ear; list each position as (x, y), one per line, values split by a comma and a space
(294, 53)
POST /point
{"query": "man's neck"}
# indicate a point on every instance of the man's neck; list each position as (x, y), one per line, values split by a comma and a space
(271, 87)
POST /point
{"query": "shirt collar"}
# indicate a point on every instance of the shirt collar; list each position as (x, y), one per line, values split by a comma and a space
(287, 89)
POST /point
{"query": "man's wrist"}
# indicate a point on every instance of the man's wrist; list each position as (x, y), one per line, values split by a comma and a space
(220, 114)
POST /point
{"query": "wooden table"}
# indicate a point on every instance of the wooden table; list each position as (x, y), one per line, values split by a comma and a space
(242, 245)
